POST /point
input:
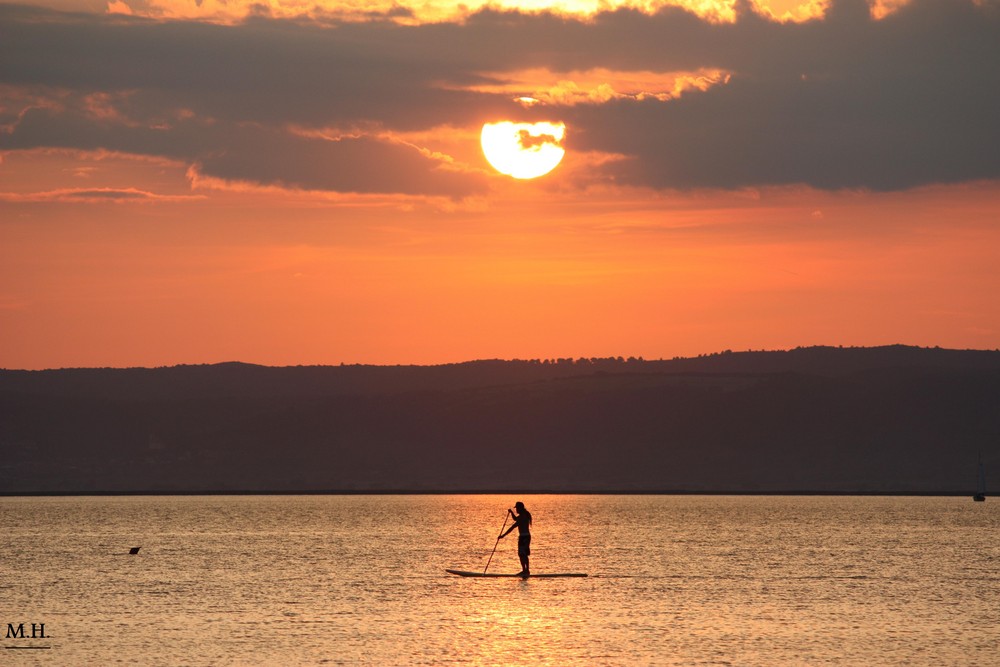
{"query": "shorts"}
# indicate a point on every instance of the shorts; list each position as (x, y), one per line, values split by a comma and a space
(524, 545)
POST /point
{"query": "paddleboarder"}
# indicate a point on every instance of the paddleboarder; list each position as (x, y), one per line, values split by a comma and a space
(522, 521)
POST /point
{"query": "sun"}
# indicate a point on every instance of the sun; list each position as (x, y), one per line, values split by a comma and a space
(523, 150)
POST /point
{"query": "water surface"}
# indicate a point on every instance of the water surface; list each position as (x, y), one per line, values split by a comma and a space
(674, 580)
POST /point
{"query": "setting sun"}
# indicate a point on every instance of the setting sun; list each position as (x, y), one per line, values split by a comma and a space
(523, 150)
(316, 193)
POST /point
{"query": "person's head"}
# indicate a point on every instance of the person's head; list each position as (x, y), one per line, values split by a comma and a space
(519, 506)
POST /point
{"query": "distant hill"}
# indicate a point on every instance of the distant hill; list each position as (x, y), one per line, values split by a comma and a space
(891, 419)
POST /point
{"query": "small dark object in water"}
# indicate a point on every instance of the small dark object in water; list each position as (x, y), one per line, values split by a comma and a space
(133, 551)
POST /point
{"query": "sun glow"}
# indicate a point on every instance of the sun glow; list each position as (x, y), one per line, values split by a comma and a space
(523, 150)
(596, 85)
(229, 11)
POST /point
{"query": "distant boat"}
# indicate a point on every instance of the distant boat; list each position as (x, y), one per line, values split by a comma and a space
(981, 486)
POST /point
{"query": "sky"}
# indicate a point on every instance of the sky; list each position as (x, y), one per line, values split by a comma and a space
(300, 182)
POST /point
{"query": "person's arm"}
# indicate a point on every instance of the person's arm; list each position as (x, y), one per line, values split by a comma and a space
(512, 526)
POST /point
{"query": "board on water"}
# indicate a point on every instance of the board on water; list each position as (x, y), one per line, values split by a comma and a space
(463, 573)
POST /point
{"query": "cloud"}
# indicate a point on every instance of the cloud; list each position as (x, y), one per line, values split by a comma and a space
(260, 154)
(845, 101)
(94, 196)
(119, 7)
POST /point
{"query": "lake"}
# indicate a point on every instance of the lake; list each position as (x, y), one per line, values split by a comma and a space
(360, 580)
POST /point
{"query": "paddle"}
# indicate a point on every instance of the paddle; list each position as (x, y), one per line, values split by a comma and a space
(497, 542)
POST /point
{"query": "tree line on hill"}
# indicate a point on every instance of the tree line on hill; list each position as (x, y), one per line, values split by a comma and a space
(847, 420)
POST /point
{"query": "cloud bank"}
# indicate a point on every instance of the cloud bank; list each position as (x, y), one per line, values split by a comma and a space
(843, 101)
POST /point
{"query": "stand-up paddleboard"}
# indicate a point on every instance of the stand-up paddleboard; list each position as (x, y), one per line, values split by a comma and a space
(463, 573)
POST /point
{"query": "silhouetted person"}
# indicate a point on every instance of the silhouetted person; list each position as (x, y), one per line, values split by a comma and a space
(522, 521)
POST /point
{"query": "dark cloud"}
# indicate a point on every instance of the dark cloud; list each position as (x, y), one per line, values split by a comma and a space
(361, 164)
(256, 154)
(842, 103)
(528, 140)
(846, 101)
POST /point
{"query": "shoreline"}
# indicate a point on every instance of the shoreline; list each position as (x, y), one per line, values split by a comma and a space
(479, 492)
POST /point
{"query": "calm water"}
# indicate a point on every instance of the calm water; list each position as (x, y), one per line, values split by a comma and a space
(675, 580)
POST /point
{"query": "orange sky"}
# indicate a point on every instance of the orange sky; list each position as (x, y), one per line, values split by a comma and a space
(174, 223)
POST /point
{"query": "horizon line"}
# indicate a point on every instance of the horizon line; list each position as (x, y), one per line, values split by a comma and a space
(485, 492)
(541, 360)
